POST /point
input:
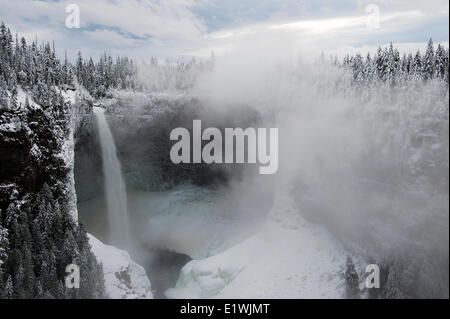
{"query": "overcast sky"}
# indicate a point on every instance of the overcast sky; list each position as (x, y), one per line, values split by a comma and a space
(178, 29)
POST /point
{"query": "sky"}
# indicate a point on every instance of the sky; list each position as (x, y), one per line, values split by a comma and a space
(180, 29)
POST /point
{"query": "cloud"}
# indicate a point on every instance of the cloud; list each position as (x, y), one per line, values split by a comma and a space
(430, 8)
(174, 28)
(170, 18)
(107, 23)
(163, 19)
(310, 37)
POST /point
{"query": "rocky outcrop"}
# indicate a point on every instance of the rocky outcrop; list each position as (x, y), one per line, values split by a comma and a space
(35, 149)
(124, 279)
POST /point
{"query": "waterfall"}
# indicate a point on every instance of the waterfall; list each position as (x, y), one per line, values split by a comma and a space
(115, 193)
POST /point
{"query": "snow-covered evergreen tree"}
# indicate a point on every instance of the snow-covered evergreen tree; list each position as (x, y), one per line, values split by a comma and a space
(37, 234)
(3, 245)
(428, 62)
(387, 66)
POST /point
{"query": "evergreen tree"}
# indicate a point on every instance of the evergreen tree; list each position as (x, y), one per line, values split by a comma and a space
(3, 245)
(352, 280)
(387, 66)
(38, 238)
(13, 103)
(392, 290)
(9, 289)
(428, 62)
(79, 68)
(441, 64)
(4, 97)
(417, 66)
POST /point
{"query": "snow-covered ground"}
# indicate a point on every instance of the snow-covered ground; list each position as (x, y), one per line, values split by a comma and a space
(278, 255)
(124, 279)
(287, 258)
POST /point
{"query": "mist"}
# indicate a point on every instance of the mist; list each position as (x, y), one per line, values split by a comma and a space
(224, 149)
(368, 163)
(363, 160)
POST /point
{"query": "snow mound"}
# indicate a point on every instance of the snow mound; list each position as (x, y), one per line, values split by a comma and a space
(69, 96)
(12, 127)
(124, 279)
(288, 258)
(22, 97)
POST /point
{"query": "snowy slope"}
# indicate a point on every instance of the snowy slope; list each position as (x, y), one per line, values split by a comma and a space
(124, 279)
(288, 258)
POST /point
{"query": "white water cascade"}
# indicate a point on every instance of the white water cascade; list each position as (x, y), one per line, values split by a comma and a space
(115, 192)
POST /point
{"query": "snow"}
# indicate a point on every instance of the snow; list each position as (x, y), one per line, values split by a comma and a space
(11, 127)
(124, 279)
(69, 96)
(16, 125)
(21, 98)
(288, 258)
(68, 155)
(35, 151)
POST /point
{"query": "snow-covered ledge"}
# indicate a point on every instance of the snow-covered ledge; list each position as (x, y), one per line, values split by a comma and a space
(124, 279)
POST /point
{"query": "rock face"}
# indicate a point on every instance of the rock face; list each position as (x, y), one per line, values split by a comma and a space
(38, 200)
(36, 148)
(87, 166)
(124, 279)
(141, 125)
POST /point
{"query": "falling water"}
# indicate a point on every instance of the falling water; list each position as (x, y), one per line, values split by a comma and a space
(115, 193)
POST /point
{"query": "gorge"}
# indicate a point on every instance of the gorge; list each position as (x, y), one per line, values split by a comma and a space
(90, 175)
(190, 219)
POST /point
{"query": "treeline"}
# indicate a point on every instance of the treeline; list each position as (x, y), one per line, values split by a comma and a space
(172, 76)
(98, 77)
(34, 68)
(122, 73)
(389, 67)
(37, 70)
